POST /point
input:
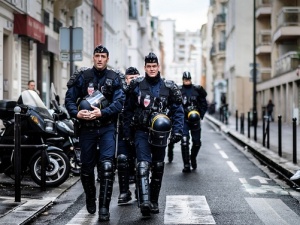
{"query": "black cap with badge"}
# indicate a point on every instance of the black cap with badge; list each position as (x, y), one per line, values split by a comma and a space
(151, 58)
(101, 49)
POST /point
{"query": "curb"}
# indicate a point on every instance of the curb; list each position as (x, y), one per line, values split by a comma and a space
(282, 166)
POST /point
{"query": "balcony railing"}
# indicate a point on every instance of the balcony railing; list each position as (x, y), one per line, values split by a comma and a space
(264, 37)
(261, 3)
(287, 63)
(222, 46)
(220, 18)
(289, 16)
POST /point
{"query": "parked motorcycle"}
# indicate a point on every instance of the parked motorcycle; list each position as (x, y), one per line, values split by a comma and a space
(37, 125)
(65, 129)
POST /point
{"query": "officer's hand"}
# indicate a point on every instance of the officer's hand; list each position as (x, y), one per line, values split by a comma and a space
(84, 114)
(175, 138)
(96, 112)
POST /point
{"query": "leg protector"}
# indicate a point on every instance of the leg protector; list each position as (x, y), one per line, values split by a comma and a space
(170, 152)
(143, 168)
(88, 183)
(106, 187)
(123, 175)
(194, 152)
(185, 151)
(155, 185)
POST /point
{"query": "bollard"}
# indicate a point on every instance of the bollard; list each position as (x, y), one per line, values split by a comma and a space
(236, 120)
(294, 141)
(268, 133)
(255, 125)
(17, 153)
(263, 130)
(279, 136)
(242, 123)
(248, 124)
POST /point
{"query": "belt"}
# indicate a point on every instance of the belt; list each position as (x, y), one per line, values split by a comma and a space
(95, 123)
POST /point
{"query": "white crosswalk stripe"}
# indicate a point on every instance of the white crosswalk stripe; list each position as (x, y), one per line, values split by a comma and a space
(83, 217)
(187, 209)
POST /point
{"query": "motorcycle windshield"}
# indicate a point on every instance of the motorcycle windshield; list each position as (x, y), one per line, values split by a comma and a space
(31, 98)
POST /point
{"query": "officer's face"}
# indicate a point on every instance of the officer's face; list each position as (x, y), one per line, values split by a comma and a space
(186, 81)
(130, 78)
(100, 60)
(152, 69)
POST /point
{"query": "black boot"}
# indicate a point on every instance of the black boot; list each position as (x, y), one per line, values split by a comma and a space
(155, 185)
(170, 152)
(194, 152)
(106, 187)
(143, 187)
(88, 183)
(186, 158)
(123, 175)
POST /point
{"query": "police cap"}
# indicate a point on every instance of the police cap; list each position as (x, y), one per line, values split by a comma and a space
(151, 58)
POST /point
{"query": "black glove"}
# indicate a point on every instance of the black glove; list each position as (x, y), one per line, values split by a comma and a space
(175, 138)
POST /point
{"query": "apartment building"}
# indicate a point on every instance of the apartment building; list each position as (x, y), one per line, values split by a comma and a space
(278, 51)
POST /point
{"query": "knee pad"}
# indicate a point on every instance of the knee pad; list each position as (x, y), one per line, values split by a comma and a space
(106, 169)
(122, 162)
(185, 141)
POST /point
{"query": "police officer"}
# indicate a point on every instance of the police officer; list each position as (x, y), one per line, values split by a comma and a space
(125, 158)
(148, 107)
(195, 106)
(97, 126)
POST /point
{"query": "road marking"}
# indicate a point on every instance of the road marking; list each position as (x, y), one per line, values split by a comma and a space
(262, 180)
(233, 167)
(280, 214)
(187, 209)
(223, 154)
(217, 146)
(83, 217)
(263, 189)
(243, 180)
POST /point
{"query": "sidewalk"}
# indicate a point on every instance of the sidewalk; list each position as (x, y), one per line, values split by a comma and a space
(284, 165)
(33, 199)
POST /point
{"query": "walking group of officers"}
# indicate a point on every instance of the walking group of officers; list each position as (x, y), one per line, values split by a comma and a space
(132, 119)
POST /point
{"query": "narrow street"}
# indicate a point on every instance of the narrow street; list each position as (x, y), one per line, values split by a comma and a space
(228, 187)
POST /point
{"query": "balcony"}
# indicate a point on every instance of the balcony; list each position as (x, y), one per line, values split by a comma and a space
(263, 41)
(220, 19)
(263, 8)
(222, 46)
(265, 73)
(286, 63)
(288, 22)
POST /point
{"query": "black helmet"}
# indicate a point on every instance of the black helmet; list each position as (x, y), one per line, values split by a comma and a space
(84, 104)
(193, 116)
(186, 75)
(160, 122)
(160, 128)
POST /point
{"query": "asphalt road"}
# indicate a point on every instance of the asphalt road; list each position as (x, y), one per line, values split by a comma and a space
(229, 187)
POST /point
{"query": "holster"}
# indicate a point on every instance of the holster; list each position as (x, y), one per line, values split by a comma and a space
(76, 127)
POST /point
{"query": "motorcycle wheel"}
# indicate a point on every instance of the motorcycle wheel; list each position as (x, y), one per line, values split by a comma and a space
(75, 167)
(57, 172)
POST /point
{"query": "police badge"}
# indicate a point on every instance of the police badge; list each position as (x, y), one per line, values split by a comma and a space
(147, 100)
(90, 89)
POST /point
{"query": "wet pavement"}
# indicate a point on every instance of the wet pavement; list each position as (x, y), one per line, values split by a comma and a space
(34, 200)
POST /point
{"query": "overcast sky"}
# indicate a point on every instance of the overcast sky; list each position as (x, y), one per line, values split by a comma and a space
(189, 14)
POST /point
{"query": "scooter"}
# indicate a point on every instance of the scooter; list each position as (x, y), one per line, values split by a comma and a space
(65, 129)
(37, 125)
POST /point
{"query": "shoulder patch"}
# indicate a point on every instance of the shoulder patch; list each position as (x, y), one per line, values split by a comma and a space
(75, 76)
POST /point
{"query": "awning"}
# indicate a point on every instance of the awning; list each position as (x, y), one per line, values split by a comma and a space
(28, 26)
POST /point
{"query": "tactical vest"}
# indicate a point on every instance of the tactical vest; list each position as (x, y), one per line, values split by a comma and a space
(148, 104)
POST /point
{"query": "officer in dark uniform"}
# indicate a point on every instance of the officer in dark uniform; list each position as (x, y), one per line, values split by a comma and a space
(97, 126)
(126, 154)
(195, 106)
(148, 108)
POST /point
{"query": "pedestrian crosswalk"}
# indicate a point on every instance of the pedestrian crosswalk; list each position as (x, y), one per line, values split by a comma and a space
(194, 209)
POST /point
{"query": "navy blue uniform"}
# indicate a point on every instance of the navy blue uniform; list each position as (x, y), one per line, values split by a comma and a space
(151, 95)
(94, 133)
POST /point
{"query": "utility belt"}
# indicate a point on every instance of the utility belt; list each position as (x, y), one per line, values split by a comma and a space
(95, 123)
